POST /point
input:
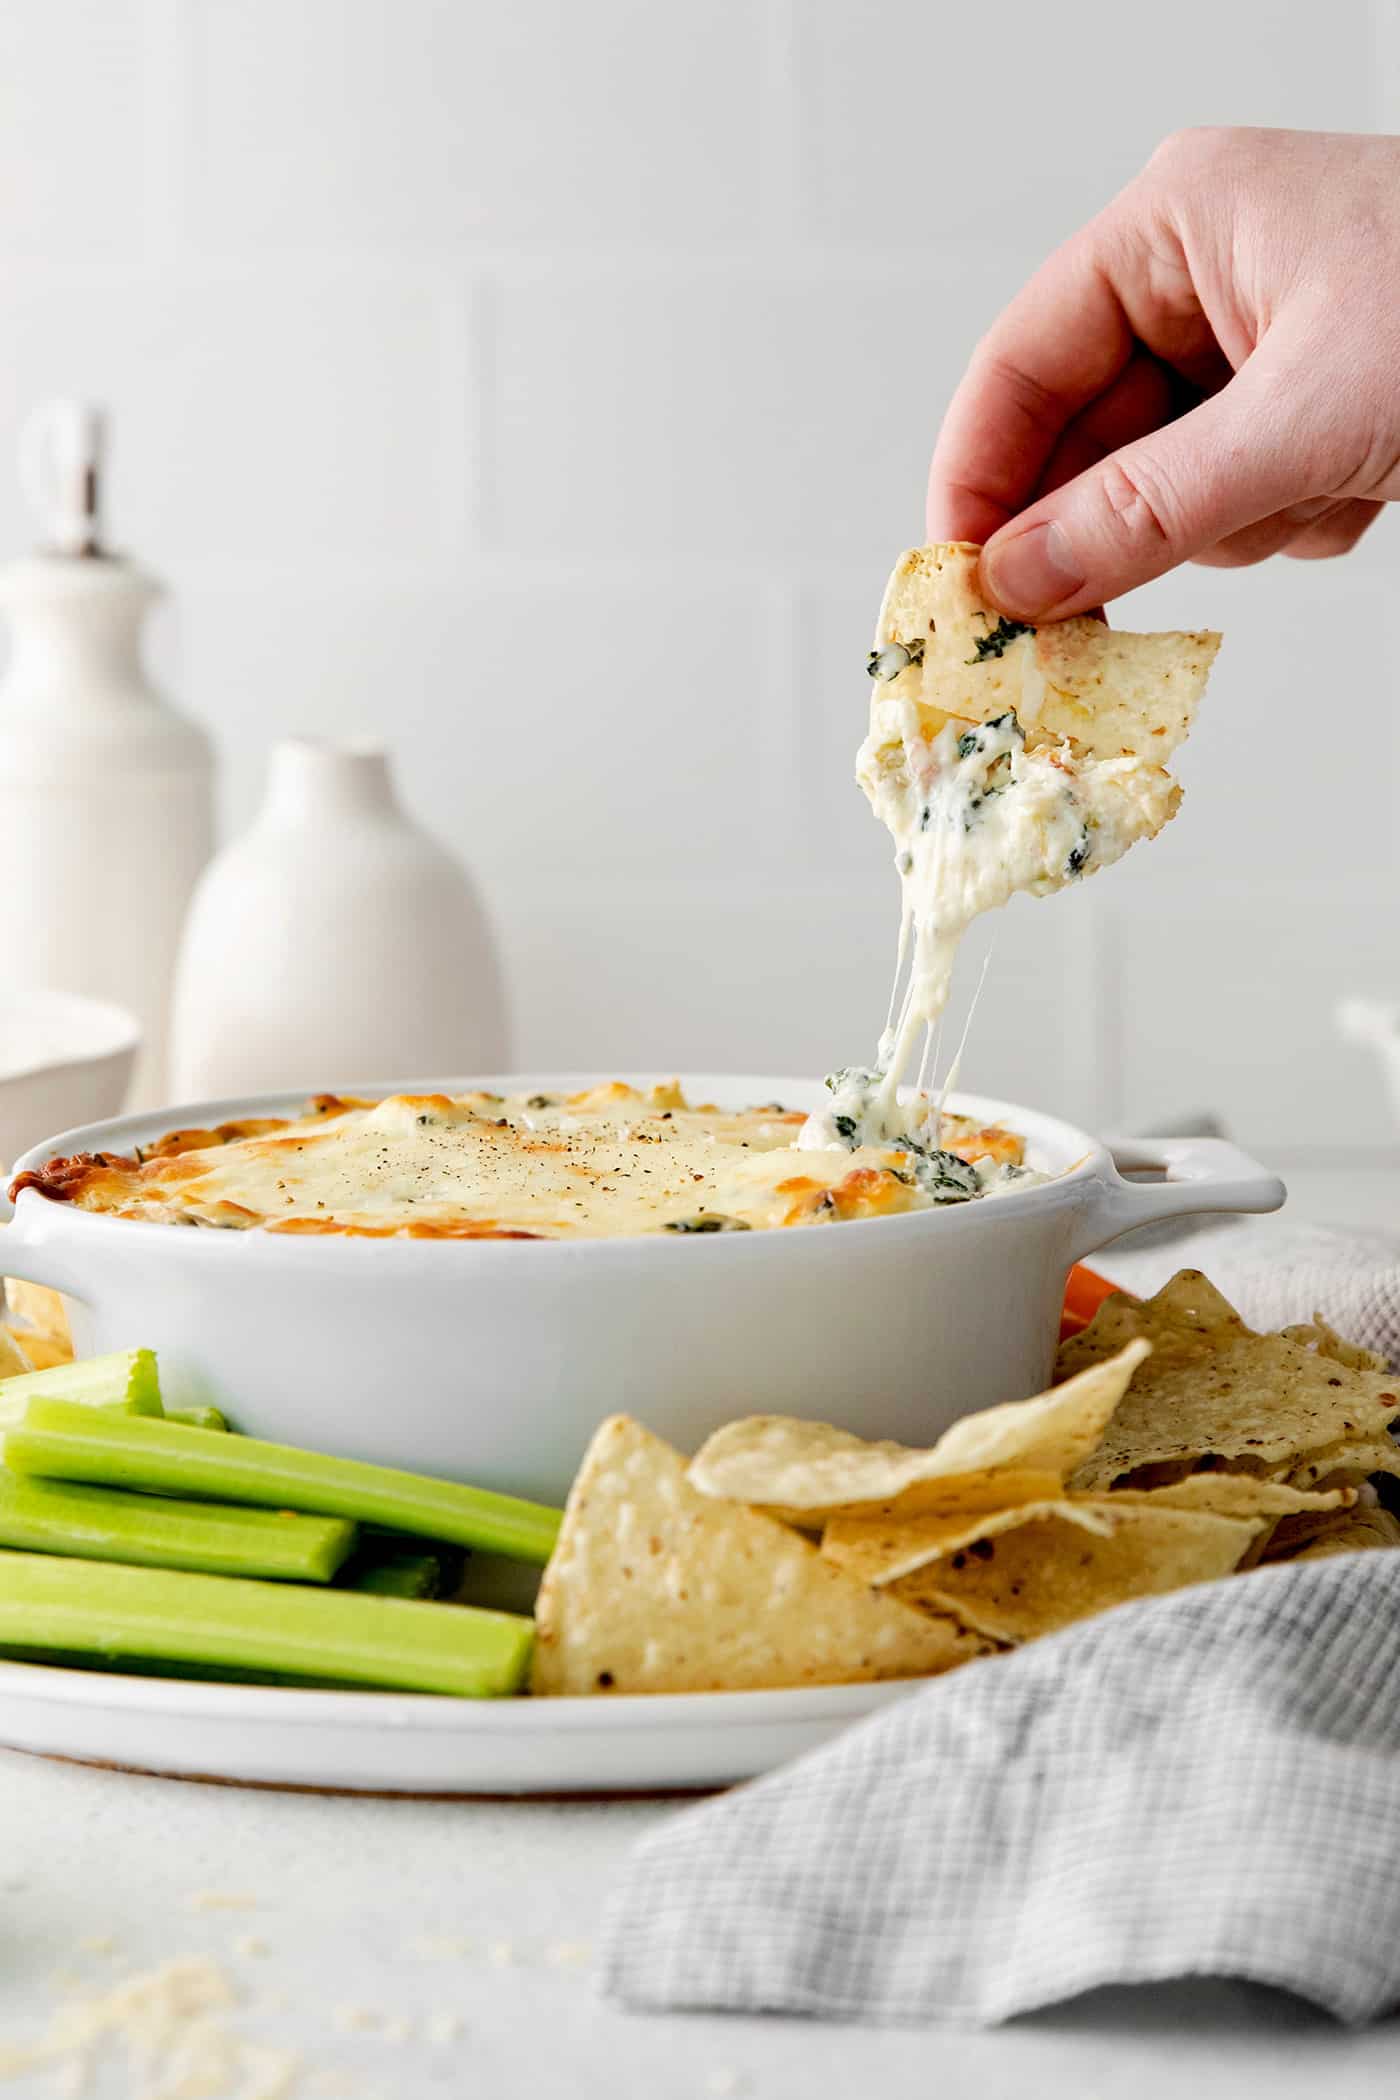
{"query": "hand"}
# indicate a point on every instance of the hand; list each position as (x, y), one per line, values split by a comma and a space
(1209, 371)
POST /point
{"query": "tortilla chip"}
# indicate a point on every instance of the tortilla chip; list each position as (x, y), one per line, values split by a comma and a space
(882, 1550)
(42, 1352)
(810, 1472)
(1057, 1429)
(1109, 692)
(1112, 693)
(1213, 1389)
(1242, 1495)
(13, 1359)
(1238, 1495)
(1350, 1462)
(806, 1472)
(1352, 1531)
(1037, 1576)
(43, 1309)
(1187, 1300)
(653, 1587)
(946, 1494)
(1317, 1334)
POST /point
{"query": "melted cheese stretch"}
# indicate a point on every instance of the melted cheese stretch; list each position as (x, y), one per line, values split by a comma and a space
(975, 817)
(544, 1166)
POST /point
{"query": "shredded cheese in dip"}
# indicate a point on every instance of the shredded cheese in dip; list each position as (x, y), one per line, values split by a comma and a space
(600, 1164)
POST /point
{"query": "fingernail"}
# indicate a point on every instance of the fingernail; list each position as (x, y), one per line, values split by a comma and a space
(1033, 571)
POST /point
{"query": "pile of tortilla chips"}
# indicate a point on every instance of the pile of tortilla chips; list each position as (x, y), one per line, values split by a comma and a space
(1181, 1447)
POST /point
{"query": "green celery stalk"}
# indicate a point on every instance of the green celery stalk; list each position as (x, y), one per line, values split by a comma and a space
(96, 1523)
(61, 1442)
(391, 1574)
(147, 1666)
(197, 1417)
(48, 1605)
(127, 1380)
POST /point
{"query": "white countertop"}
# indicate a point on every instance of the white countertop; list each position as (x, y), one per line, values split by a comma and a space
(370, 1926)
(403, 1950)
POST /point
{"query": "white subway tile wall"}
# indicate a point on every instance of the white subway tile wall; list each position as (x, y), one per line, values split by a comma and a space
(546, 388)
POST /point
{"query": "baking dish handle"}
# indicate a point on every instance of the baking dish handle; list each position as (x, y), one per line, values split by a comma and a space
(1199, 1174)
(33, 1260)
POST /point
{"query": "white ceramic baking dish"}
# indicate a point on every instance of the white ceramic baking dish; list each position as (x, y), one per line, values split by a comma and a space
(493, 1361)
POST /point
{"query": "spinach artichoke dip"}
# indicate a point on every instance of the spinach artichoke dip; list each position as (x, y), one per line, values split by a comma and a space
(592, 1165)
(1000, 759)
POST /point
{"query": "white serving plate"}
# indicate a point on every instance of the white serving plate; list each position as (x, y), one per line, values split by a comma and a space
(406, 1743)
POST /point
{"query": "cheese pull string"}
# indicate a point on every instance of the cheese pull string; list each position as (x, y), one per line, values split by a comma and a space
(951, 1077)
(898, 1005)
(932, 1051)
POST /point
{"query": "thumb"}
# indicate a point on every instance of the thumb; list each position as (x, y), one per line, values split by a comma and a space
(1231, 461)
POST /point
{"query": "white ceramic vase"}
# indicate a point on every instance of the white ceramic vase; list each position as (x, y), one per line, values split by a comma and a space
(334, 943)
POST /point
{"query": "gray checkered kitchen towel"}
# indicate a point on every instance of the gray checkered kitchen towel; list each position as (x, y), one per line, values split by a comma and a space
(1201, 1784)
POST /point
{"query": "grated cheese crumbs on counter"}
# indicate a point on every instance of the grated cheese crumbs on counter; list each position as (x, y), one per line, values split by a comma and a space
(222, 1899)
(167, 2023)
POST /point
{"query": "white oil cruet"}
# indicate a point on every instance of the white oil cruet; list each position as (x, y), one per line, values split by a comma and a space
(105, 790)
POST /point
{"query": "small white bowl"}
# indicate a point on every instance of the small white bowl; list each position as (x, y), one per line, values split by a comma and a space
(64, 1060)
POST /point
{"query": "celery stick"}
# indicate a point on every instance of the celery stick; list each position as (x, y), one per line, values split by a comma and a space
(147, 1666)
(192, 1673)
(96, 1523)
(127, 1380)
(394, 1574)
(82, 1443)
(197, 1417)
(48, 1604)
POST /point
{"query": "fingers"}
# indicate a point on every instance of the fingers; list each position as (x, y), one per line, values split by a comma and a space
(1126, 282)
(1255, 543)
(1335, 534)
(1142, 396)
(1060, 343)
(1163, 499)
